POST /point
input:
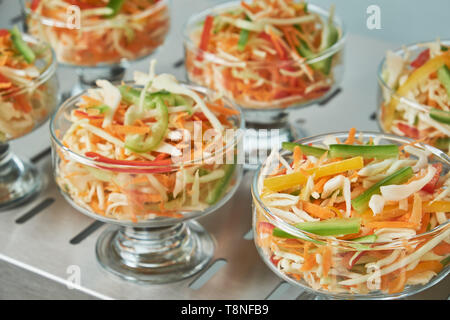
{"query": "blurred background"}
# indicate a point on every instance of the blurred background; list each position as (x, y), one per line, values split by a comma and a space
(402, 22)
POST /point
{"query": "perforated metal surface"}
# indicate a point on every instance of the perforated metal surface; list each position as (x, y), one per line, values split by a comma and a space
(47, 236)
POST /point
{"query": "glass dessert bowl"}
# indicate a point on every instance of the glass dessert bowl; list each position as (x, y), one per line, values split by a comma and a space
(414, 93)
(268, 61)
(147, 182)
(99, 39)
(315, 227)
(28, 96)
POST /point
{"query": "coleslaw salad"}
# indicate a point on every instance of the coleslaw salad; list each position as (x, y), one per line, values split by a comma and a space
(108, 33)
(354, 216)
(121, 149)
(28, 88)
(265, 54)
(415, 88)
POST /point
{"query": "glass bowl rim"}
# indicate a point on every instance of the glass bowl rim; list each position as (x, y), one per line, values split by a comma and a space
(58, 23)
(410, 47)
(281, 223)
(174, 166)
(227, 5)
(48, 71)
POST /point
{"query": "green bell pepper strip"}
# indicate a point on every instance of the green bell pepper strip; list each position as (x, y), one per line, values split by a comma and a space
(181, 101)
(139, 143)
(324, 65)
(443, 143)
(444, 77)
(365, 151)
(102, 108)
(361, 203)
(445, 261)
(366, 239)
(307, 150)
(331, 227)
(21, 45)
(243, 39)
(115, 5)
(133, 96)
(440, 115)
(216, 193)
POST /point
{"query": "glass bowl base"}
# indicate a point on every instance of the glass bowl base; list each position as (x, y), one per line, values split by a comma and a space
(155, 255)
(20, 180)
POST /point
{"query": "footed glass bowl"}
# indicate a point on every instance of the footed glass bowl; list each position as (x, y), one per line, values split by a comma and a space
(97, 46)
(364, 280)
(403, 123)
(149, 241)
(267, 99)
(23, 109)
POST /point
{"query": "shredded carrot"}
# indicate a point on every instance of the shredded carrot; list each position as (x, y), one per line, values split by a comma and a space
(90, 102)
(318, 187)
(416, 214)
(398, 283)
(442, 248)
(326, 260)
(317, 211)
(125, 129)
(423, 266)
(351, 136)
(390, 224)
(297, 157)
(222, 110)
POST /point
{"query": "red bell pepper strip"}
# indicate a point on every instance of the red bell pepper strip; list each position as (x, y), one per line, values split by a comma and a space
(34, 4)
(3, 32)
(431, 186)
(83, 5)
(206, 35)
(265, 227)
(275, 261)
(408, 130)
(423, 57)
(99, 158)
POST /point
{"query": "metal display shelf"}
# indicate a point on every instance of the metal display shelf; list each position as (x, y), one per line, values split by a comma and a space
(47, 236)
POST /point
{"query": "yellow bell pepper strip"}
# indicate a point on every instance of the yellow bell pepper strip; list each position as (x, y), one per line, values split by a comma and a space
(413, 81)
(287, 181)
(361, 203)
(437, 206)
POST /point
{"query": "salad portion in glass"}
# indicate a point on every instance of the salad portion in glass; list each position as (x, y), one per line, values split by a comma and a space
(28, 95)
(148, 156)
(355, 215)
(108, 31)
(265, 54)
(99, 38)
(270, 58)
(414, 95)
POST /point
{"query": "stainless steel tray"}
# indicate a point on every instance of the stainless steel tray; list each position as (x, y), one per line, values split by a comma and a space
(47, 236)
